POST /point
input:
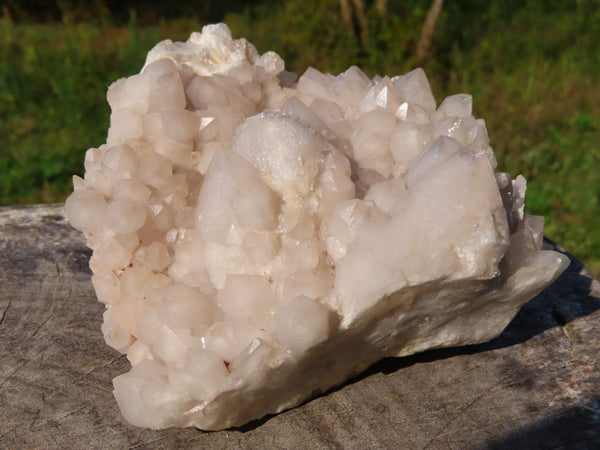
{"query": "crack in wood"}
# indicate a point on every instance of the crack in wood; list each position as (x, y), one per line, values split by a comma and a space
(465, 406)
(35, 419)
(52, 311)
(13, 429)
(5, 310)
(14, 372)
(74, 411)
(108, 363)
(52, 306)
(141, 444)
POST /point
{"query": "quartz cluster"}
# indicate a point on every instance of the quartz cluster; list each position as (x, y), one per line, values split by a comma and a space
(258, 238)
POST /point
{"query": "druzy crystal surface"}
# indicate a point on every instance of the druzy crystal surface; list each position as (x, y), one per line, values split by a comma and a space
(259, 238)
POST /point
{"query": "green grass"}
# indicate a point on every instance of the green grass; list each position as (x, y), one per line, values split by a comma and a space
(532, 69)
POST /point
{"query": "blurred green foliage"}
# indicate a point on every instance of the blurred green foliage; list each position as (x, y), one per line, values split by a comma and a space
(531, 65)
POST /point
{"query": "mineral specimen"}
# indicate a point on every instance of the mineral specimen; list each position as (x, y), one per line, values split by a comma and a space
(258, 240)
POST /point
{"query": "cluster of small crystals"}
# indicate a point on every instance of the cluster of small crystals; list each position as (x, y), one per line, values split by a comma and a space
(237, 215)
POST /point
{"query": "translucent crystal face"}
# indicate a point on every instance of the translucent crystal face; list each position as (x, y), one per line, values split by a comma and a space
(248, 228)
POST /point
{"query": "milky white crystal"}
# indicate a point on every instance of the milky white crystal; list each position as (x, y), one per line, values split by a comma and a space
(257, 240)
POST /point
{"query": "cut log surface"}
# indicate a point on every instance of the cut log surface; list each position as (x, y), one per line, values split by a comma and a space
(535, 386)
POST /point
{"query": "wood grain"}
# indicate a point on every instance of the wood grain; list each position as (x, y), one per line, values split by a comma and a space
(535, 386)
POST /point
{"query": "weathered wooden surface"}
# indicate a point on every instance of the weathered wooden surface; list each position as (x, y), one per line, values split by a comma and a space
(536, 386)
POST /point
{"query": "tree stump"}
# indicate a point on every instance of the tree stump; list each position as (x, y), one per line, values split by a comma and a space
(535, 386)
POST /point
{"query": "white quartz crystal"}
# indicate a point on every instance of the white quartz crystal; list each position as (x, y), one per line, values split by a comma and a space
(258, 240)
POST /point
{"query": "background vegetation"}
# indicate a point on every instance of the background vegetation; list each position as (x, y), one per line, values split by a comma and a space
(531, 65)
